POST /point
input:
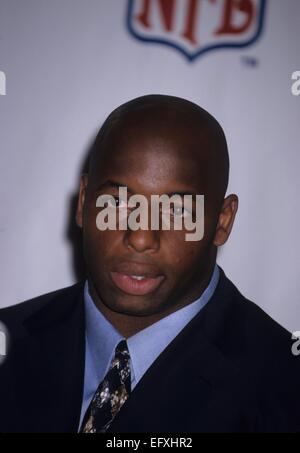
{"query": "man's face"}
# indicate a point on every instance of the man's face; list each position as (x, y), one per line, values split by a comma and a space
(172, 269)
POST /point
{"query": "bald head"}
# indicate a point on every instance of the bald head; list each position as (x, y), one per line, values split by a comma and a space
(171, 119)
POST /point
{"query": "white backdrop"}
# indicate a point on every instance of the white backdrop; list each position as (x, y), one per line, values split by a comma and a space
(68, 63)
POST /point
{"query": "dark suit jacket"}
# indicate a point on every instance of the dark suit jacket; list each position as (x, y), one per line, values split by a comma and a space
(231, 369)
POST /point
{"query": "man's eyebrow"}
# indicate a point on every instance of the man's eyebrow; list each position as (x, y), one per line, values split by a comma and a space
(109, 183)
(182, 193)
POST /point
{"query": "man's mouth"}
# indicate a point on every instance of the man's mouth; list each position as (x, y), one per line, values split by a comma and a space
(136, 279)
(136, 285)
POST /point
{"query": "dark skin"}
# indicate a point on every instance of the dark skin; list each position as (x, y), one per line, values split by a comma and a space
(153, 152)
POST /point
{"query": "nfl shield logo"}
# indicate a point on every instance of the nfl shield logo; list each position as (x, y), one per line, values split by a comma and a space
(194, 27)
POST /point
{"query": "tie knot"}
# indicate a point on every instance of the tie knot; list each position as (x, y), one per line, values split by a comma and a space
(122, 349)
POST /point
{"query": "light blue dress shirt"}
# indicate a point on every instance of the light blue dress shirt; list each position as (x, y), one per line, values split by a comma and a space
(144, 347)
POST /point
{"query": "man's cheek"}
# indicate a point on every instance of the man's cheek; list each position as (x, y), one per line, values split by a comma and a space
(106, 244)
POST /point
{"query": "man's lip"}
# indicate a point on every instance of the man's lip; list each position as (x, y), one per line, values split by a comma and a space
(138, 268)
(130, 285)
(124, 272)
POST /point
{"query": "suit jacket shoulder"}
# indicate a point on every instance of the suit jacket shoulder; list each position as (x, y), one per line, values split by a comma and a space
(15, 315)
(261, 350)
(41, 380)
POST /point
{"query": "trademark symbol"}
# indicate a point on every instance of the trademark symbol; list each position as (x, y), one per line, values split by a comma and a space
(251, 62)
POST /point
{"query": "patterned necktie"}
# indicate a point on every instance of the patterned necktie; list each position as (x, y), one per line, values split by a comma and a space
(111, 393)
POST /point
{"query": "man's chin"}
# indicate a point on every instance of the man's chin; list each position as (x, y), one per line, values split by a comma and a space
(134, 306)
(117, 301)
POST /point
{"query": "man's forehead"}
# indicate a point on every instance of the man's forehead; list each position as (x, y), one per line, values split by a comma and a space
(151, 171)
(133, 187)
(151, 146)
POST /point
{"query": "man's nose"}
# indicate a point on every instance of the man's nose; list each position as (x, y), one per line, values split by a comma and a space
(142, 240)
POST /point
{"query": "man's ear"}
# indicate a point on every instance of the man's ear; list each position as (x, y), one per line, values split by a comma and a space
(226, 219)
(81, 199)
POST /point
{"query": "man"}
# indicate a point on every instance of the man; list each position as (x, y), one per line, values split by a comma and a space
(157, 339)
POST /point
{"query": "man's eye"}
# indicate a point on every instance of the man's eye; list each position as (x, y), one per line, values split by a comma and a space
(179, 211)
(116, 202)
